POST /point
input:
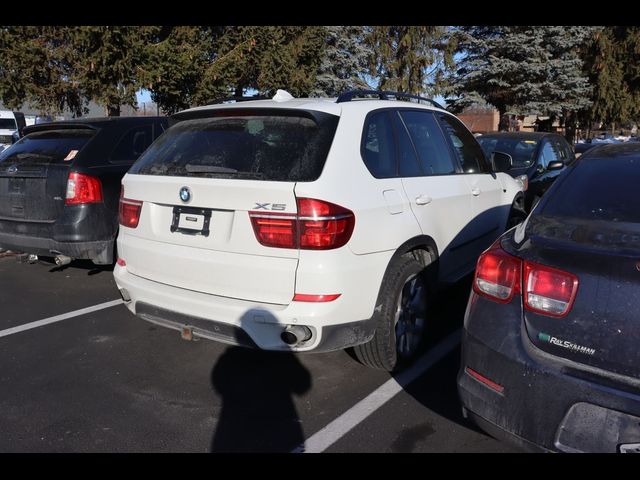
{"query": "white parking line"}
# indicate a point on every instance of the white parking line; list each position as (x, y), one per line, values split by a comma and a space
(330, 434)
(58, 318)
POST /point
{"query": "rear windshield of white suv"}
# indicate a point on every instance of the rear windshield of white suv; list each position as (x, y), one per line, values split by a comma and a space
(238, 145)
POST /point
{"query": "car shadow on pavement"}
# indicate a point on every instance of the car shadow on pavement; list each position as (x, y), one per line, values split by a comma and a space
(436, 389)
(258, 413)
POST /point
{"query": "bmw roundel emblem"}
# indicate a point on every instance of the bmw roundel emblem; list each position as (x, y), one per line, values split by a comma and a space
(185, 194)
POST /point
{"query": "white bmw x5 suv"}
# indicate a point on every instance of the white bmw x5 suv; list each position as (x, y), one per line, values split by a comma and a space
(308, 224)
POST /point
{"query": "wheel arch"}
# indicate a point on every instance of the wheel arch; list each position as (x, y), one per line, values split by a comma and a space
(423, 248)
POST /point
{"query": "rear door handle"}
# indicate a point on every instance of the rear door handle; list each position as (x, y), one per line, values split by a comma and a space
(423, 200)
(476, 191)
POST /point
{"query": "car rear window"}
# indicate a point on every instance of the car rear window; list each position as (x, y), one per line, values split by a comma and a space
(252, 146)
(521, 150)
(8, 124)
(50, 146)
(599, 189)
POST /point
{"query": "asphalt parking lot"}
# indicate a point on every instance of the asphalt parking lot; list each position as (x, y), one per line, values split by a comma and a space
(93, 378)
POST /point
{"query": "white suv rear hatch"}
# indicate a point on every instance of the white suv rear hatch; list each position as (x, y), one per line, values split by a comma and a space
(197, 185)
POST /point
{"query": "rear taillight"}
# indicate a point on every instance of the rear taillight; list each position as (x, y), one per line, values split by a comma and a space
(318, 225)
(304, 297)
(549, 291)
(83, 188)
(497, 274)
(129, 211)
(274, 229)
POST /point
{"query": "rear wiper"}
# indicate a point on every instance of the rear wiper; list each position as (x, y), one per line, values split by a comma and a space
(208, 169)
(22, 155)
(224, 170)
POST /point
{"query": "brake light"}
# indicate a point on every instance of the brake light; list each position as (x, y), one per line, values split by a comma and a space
(82, 189)
(481, 378)
(318, 225)
(497, 274)
(129, 211)
(274, 229)
(548, 290)
(304, 297)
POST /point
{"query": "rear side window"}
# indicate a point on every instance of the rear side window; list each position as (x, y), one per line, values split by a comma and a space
(599, 189)
(50, 146)
(132, 144)
(432, 148)
(408, 165)
(465, 145)
(378, 146)
(566, 153)
(252, 146)
(549, 153)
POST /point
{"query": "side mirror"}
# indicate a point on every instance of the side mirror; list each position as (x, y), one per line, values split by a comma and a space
(556, 165)
(501, 162)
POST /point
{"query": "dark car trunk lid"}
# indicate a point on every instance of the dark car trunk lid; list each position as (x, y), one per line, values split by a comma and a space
(602, 328)
(34, 173)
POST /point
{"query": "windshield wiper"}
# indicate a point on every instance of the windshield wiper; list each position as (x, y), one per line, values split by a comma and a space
(208, 169)
(222, 170)
(22, 155)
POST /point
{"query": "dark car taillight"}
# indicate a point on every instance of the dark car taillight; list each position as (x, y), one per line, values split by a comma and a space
(82, 189)
(548, 290)
(318, 225)
(499, 276)
(129, 211)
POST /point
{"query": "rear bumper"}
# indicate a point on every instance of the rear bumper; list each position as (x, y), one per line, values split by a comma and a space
(100, 252)
(547, 403)
(240, 322)
(81, 232)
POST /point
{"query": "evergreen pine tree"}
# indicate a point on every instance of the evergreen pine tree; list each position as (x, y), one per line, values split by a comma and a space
(613, 65)
(344, 63)
(175, 61)
(522, 69)
(37, 67)
(409, 58)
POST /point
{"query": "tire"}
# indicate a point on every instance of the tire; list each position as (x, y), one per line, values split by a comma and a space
(400, 317)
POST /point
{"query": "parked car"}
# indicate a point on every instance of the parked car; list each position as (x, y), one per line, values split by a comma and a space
(60, 185)
(538, 158)
(11, 126)
(307, 224)
(550, 356)
(582, 147)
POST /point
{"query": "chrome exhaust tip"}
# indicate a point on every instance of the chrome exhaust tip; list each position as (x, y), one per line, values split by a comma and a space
(295, 334)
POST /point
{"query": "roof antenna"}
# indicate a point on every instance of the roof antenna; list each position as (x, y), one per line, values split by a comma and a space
(282, 96)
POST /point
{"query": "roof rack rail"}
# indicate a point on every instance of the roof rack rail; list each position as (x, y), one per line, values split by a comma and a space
(384, 95)
(237, 99)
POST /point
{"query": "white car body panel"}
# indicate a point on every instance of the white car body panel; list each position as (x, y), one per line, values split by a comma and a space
(230, 261)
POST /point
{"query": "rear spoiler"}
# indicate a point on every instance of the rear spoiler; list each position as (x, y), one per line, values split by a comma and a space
(41, 127)
(315, 115)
